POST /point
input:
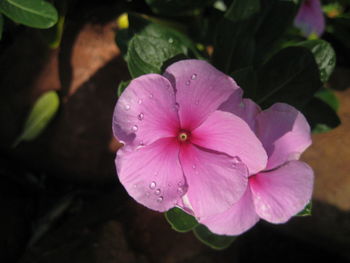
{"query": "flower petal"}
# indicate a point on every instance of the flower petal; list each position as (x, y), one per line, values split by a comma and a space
(236, 220)
(215, 182)
(151, 174)
(146, 111)
(227, 133)
(200, 90)
(284, 132)
(310, 18)
(246, 109)
(282, 193)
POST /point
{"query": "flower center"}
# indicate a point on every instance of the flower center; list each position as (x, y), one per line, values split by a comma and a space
(183, 136)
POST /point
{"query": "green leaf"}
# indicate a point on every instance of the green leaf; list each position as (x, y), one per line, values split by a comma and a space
(321, 116)
(176, 7)
(275, 18)
(328, 96)
(153, 45)
(234, 43)
(39, 117)
(53, 35)
(121, 87)
(324, 55)
(291, 76)
(180, 220)
(212, 240)
(33, 13)
(306, 211)
(246, 79)
(1, 25)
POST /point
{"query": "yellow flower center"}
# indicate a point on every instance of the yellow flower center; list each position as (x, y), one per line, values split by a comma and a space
(183, 136)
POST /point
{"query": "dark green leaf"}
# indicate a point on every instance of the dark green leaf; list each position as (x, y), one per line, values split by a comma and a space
(306, 211)
(1, 25)
(180, 221)
(242, 9)
(212, 240)
(176, 7)
(40, 116)
(122, 86)
(234, 42)
(53, 35)
(328, 96)
(33, 13)
(320, 116)
(246, 79)
(275, 17)
(291, 76)
(154, 44)
(324, 55)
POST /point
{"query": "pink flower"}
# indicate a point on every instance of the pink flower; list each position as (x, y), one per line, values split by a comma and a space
(177, 142)
(284, 186)
(310, 18)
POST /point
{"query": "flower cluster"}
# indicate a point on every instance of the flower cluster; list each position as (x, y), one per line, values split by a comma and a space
(191, 141)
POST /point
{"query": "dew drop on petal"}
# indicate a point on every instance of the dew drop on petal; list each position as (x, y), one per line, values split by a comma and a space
(157, 192)
(151, 96)
(134, 128)
(135, 185)
(180, 183)
(194, 166)
(160, 199)
(188, 82)
(152, 185)
(194, 76)
(180, 190)
(139, 101)
(236, 160)
(197, 102)
(140, 116)
(127, 107)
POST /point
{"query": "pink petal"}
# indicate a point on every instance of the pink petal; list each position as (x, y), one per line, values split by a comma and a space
(200, 90)
(246, 109)
(146, 111)
(310, 18)
(236, 220)
(152, 174)
(280, 194)
(227, 133)
(215, 181)
(284, 132)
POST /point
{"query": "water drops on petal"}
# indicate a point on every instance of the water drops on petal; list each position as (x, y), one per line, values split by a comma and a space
(194, 166)
(180, 190)
(194, 76)
(160, 199)
(197, 102)
(150, 96)
(157, 192)
(127, 107)
(152, 185)
(134, 128)
(180, 183)
(139, 101)
(188, 82)
(140, 116)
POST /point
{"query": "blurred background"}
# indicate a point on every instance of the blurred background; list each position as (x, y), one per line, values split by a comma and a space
(60, 198)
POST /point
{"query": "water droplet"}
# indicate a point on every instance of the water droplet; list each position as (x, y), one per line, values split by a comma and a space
(197, 102)
(139, 101)
(134, 128)
(170, 40)
(127, 107)
(140, 116)
(236, 160)
(151, 96)
(180, 183)
(180, 190)
(135, 185)
(157, 192)
(141, 143)
(160, 199)
(194, 76)
(194, 166)
(188, 82)
(152, 185)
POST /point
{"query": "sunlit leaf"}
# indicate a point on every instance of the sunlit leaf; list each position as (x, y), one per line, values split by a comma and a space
(39, 117)
(33, 13)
